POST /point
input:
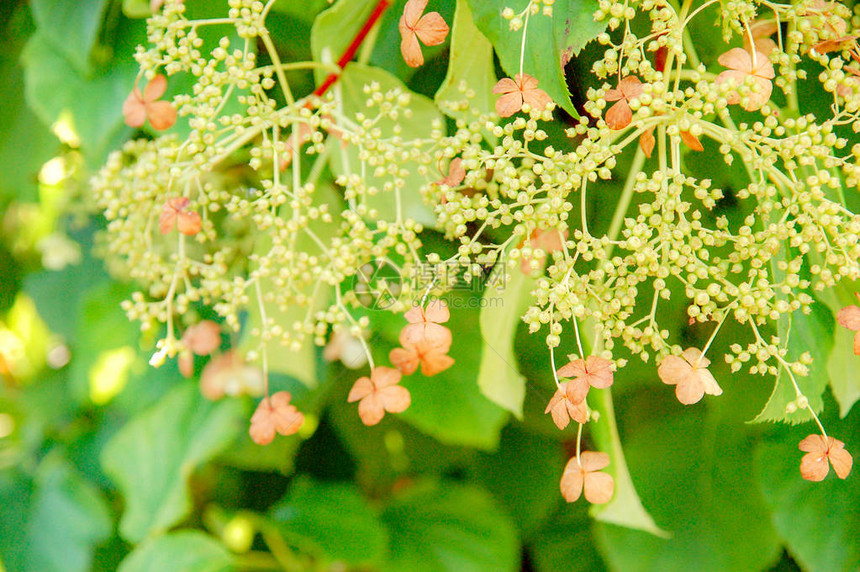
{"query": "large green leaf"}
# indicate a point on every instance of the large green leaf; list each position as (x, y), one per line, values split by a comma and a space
(419, 126)
(68, 518)
(335, 521)
(181, 551)
(101, 363)
(696, 478)
(498, 376)
(72, 27)
(15, 498)
(523, 475)
(574, 25)
(470, 63)
(801, 332)
(152, 457)
(25, 144)
(542, 55)
(447, 526)
(565, 543)
(625, 508)
(334, 29)
(54, 87)
(449, 406)
(817, 521)
(842, 363)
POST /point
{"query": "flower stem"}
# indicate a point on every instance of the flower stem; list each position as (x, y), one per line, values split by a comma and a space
(351, 50)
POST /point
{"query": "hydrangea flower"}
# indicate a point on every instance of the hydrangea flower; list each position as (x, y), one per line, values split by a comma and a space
(430, 28)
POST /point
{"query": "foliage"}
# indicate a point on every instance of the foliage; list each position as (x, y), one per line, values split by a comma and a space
(290, 285)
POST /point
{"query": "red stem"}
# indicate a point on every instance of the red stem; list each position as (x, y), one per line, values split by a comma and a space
(350, 51)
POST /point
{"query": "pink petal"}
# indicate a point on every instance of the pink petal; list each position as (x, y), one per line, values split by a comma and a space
(849, 317)
(841, 461)
(431, 29)
(631, 87)
(362, 388)
(537, 99)
(437, 311)
(647, 142)
(814, 467)
(188, 223)
(385, 377)
(572, 481)
(577, 389)
(166, 220)
(409, 47)
(133, 109)
(619, 116)
(761, 95)
(371, 410)
(737, 59)
(575, 368)
(689, 390)
(161, 115)
(594, 460)
(505, 85)
(395, 398)
(155, 88)
(435, 363)
(691, 141)
(412, 12)
(613, 95)
(415, 315)
(280, 399)
(814, 444)
(599, 487)
(406, 360)
(525, 82)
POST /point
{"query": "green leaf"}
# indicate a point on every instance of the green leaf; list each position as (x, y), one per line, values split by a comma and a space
(565, 542)
(450, 526)
(419, 126)
(817, 521)
(54, 88)
(72, 28)
(181, 551)
(523, 475)
(137, 8)
(449, 406)
(308, 12)
(625, 508)
(697, 480)
(152, 457)
(335, 519)
(68, 518)
(501, 312)
(15, 497)
(58, 294)
(470, 64)
(25, 144)
(93, 348)
(842, 362)
(811, 333)
(334, 29)
(574, 25)
(542, 56)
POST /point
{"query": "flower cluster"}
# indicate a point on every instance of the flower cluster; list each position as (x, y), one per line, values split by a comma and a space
(279, 240)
